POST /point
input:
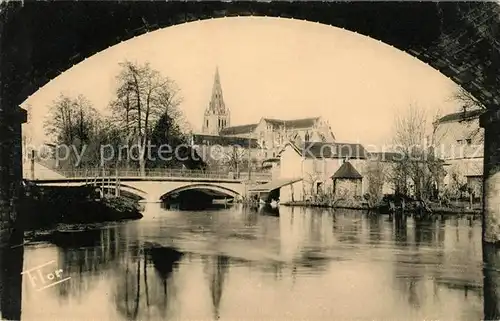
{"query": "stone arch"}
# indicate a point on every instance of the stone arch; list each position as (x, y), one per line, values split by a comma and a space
(451, 40)
(215, 188)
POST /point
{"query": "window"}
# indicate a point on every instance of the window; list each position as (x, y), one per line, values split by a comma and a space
(206, 123)
(459, 141)
(469, 141)
(319, 187)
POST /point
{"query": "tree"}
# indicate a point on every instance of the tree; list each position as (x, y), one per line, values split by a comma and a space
(167, 131)
(235, 157)
(466, 99)
(311, 179)
(417, 164)
(72, 123)
(143, 96)
(70, 119)
(109, 135)
(376, 178)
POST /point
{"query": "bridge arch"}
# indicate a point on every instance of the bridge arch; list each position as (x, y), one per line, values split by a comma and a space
(215, 190)
(451, 40)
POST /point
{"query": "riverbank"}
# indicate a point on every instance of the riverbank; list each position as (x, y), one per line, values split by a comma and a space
(353, 205)
(45, 207)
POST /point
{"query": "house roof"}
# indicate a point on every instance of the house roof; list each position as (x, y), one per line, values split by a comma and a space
(241, 129)
(386, 156)
(277, 183)
(461, 116)
(293, 123)
(271, 160)
(202, 139)
(347, 171)
(330, 150)
(399, 156)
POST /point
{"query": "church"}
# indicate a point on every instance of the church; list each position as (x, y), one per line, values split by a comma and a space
(268, 135)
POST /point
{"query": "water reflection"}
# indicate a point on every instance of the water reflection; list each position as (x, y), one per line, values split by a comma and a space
(242, 264)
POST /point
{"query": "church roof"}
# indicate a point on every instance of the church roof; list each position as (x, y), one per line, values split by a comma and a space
(347, 171)
(236, 130)
(293, 123)
(289, 124)
(203, 139)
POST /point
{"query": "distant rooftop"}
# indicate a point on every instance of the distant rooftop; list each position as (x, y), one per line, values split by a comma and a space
(293, 123)
(203, 139)
(330, 150)
(461, 116)
(289, 124)
(386, 156)
(237, 130)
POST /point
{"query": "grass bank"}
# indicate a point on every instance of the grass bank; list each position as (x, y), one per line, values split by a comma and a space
(44, 207)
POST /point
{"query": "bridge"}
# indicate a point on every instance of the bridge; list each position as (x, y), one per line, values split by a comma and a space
(155, 185)
(458, 39)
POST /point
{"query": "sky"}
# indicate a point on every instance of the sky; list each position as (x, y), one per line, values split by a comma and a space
(269, 67)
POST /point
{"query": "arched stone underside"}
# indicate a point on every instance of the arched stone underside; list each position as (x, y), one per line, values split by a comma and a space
(458, 39)
(41, 40)
(214, 190)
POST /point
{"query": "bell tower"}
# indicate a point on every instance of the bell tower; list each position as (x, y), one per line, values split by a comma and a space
(217, 116)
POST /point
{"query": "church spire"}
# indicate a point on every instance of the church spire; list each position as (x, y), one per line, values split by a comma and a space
(217, 105)
(217, 116)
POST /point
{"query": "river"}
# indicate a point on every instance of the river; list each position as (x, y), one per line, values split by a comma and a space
(239, 264)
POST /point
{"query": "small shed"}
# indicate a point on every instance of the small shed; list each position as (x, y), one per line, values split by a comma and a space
(347, 182)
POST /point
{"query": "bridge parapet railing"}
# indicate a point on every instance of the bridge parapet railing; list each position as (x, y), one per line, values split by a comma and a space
(110, 173)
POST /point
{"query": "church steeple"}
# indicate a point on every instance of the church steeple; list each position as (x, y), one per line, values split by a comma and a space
(216, 115)
(217, 101)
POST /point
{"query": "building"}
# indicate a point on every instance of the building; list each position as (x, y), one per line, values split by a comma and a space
(459, 141)
(316, 162)
(227, 153)
(313, 168)
(271, 134)
(347, 182)
(217, 116)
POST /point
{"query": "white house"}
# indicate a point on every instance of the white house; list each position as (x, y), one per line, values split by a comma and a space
(316, 162)
(459, 142)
